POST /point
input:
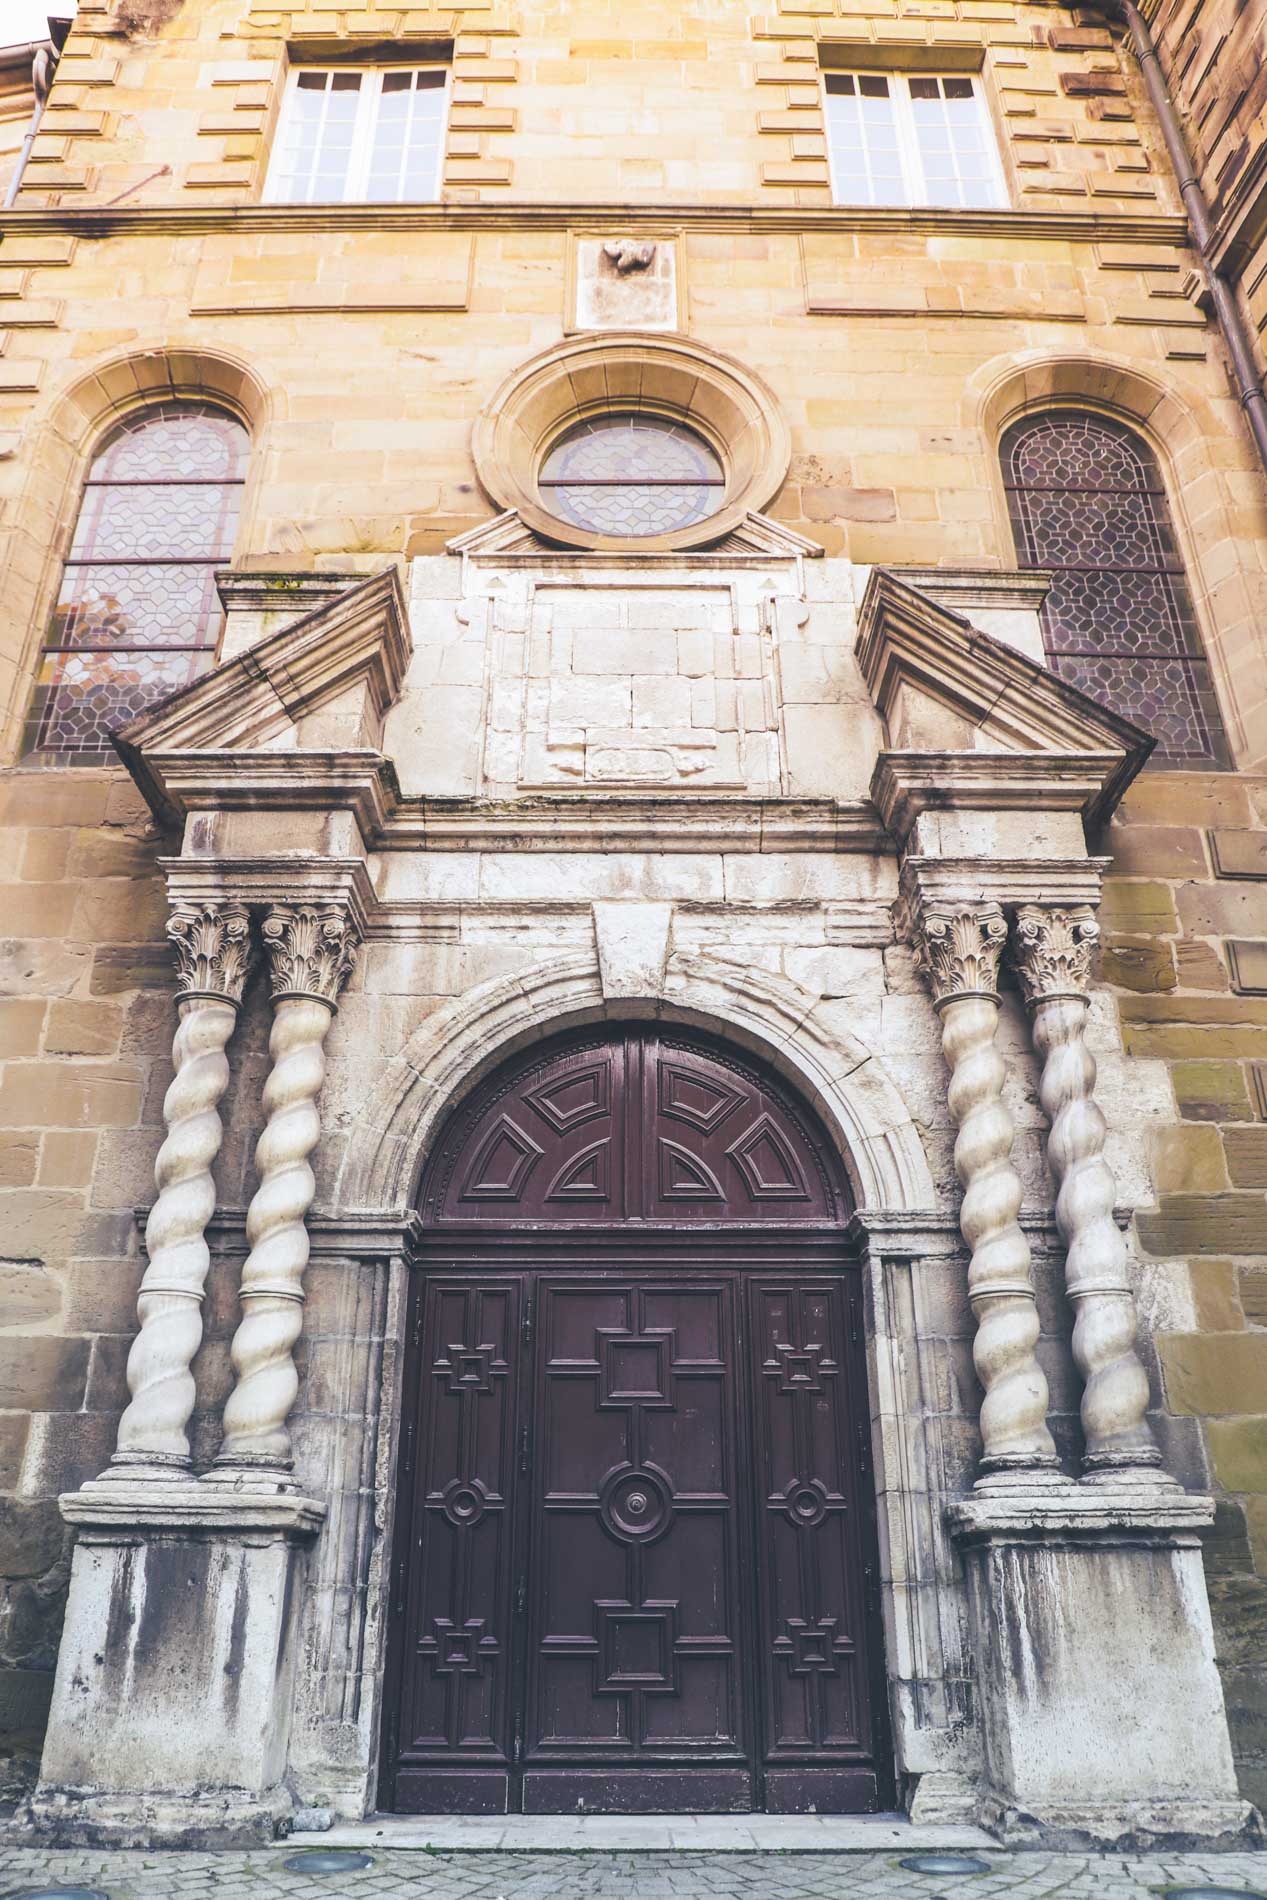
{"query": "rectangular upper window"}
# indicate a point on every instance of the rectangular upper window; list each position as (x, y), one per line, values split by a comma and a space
(914, 138)
(360, 135)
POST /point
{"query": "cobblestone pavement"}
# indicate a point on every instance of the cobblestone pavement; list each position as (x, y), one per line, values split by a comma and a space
(416, 1874)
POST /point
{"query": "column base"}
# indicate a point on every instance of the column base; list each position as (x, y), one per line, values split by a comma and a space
(1101, 1707)
(207, 1820)
(170, 1718)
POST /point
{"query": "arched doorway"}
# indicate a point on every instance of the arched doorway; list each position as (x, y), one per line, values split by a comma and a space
(635, 1559)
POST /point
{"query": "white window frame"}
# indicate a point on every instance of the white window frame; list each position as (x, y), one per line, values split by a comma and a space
(361, 156)
(915, 186)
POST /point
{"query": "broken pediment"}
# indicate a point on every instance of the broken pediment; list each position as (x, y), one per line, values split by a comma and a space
(323, 684)
(974, 724)
(508, 536)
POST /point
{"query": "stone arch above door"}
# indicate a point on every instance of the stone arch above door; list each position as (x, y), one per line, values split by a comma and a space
(638, 1122)
(807, 1038)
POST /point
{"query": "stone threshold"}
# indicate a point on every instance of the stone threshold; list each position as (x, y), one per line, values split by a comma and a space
(650, 1833)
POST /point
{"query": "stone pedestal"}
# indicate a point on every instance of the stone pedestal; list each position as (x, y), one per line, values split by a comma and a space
(1101, 1706)
(171, 1707)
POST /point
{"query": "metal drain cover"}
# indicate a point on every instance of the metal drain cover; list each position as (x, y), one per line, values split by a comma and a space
(944, 1864)
(1212, 1893)
(59, 1893)
(327, 1860)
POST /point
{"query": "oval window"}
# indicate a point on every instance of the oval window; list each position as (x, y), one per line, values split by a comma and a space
(631, 475)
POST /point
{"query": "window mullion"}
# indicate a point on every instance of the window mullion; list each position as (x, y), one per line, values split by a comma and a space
(363, 136)
(908, 142)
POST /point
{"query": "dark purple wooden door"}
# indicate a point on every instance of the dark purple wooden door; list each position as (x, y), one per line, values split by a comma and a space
(635, 1546)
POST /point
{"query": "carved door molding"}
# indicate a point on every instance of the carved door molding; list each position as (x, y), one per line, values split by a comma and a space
(635, 1558)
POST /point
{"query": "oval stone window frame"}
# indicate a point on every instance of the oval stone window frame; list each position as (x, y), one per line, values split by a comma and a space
(629, 374)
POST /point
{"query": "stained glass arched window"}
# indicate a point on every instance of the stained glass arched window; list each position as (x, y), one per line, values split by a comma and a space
(137, 614)
(631, 476)
(1089, 506)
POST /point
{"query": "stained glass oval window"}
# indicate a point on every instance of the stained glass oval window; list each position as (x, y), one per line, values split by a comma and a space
(1088, 505)
(137, 614)
(631, 476)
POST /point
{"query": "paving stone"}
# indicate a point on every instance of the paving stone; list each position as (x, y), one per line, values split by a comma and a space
(410, 1874)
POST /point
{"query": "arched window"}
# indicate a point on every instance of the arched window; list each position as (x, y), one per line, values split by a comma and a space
(137, 614)
(1088, 505)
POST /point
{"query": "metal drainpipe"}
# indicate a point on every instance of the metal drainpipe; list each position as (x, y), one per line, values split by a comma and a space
(43, 66)
(1235, 334)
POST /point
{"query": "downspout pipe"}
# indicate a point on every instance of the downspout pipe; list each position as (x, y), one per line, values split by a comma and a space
(1227, 310)
(43, 66)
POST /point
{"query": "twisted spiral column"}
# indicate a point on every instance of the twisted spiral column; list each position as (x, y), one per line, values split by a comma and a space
(959, 952)
(212, 947)
(311, 952)
(1053, 948)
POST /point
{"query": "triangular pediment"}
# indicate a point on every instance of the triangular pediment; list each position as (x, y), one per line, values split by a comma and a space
(971, 719)
(322, 684)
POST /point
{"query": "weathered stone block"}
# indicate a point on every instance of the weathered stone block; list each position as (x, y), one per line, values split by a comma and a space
(1138, 907)
(31, 1536)
(83, 1029)
(1246, 1150)
(1204, 1223)
(1189, 1160)
(14, 1430)
(141, 966)
(1216, 1293)
(28, 1292)
(1211, 1091)
(1238, 1452)
(21, 1023)
(1253, 1291)
(1138, 963)
(42, 1374)
(1238, 853)
(1213, 1374)
(1247, 961)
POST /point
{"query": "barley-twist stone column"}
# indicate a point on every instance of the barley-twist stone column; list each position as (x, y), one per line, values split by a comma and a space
(958, 947)
(1053, 949)
(212, 945)
(311, 949)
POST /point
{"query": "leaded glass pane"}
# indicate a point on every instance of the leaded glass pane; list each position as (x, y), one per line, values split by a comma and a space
(1088, 505)
(137, 613)
(632, 476)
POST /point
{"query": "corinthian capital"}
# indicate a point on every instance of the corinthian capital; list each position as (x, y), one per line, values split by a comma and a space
(311, 949)
(1052, 947)
(957, 947)
(213, 949)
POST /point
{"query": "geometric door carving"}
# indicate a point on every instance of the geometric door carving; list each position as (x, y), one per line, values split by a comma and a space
(635, 1541)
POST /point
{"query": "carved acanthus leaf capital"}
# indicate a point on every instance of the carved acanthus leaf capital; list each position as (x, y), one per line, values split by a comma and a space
(957, 948)
(311, 949)
(1053, 947)
(213, 949)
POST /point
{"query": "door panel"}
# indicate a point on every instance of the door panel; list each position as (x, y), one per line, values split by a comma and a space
(457, 1615)
(811, 1546)
(634, 1636)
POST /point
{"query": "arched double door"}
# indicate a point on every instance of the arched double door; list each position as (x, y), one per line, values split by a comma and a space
(634, 1567)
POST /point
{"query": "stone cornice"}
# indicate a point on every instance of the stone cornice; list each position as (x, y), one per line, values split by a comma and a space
(273, 880)
(363, 783)
(93, 221)
(1003, 881)
(907, 784)
(675, 821)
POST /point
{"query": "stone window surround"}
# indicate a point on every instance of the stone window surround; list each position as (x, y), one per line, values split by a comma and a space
(672, 377)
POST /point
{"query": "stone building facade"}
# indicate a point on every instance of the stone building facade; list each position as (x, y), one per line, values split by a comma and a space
(841, 797)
